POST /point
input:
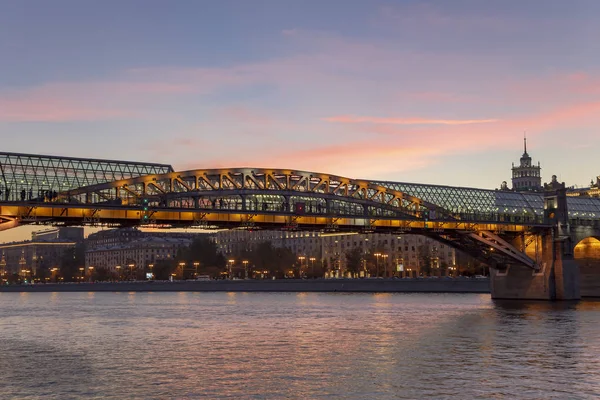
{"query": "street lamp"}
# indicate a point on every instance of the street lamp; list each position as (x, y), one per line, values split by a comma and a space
(131, 266)
(377, 255)
(91, 269)
(118, 267)
(231, 261)
(151, 270)
(245, 262)
(81, 270)
(196, 265)
(301, 258)
(312, 266)
(182, 265)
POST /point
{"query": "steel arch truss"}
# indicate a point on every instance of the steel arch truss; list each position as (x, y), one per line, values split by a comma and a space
(259, 191)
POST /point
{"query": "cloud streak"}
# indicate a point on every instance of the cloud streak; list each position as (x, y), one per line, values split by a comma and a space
(351, 119)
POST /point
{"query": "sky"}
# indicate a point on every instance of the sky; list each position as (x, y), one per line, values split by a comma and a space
(436, 92)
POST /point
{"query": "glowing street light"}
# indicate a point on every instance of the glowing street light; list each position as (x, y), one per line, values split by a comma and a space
(377, 255)
(245, 262)
(312, 266)
(231, 261)
(131, 266)
(182, 265)
(301, 258)
(384, 256)
(196, 265)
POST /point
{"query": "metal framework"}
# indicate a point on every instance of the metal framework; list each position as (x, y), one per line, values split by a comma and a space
(521, 207)
(36, 177)
(260, 191)
(63, 190)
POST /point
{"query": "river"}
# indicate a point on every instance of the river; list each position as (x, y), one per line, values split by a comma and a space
(295, 346)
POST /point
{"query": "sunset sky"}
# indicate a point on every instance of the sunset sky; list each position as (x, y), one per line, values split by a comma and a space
(417, 91)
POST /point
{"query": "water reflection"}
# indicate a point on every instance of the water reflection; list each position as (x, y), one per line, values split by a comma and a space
(289, 345)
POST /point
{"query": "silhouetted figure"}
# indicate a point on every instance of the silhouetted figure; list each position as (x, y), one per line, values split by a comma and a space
(22, 194)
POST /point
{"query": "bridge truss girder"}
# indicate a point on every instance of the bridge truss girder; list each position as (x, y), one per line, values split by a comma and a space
(123, 215)
(475, 239)
(495, 250)
(8, 223)
(251, 190)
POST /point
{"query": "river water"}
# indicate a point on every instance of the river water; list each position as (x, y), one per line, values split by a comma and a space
(295, 346)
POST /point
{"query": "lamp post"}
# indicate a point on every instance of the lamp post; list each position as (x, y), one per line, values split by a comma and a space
(196, 265)
(231, 261)
(377, 255)
(151, 266)
(182, 265)
(91, 271)
(80, 278)
(118, 267)
(245, 262)
(131, 266)
(301, 258)
(312, 266)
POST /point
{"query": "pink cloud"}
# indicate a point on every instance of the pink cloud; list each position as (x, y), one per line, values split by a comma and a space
(356, 160)
(350, 119)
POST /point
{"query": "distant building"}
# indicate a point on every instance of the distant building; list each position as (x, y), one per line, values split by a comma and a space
(592, 191)
(130, 246)
(402, 252)
(74, 234)
(526, 176)
(43, 251)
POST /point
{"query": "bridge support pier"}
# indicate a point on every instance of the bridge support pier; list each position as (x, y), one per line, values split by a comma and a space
(558, 278)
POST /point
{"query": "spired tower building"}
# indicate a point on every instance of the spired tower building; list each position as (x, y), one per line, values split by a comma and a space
(526, 176)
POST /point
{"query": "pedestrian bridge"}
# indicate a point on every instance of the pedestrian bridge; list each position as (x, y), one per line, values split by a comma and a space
(496, 226)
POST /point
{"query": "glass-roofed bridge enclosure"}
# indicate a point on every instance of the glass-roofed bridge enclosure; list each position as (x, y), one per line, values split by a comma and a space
(498, 205)
(26, 177)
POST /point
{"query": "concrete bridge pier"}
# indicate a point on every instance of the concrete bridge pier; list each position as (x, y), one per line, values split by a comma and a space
(559, 276)
(557, 279)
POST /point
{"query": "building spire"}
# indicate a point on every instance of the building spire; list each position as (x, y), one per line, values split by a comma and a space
(525, 141)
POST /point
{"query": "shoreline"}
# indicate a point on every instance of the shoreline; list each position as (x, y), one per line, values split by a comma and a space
(280, 285)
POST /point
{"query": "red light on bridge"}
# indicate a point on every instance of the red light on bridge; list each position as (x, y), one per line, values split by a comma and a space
(300, 208)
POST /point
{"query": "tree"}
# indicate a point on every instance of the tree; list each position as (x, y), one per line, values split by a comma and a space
(424, 259)
(354, 260)
(101, 274)
(163, 269)
(205, 252)
(72, 259)
(276, 260)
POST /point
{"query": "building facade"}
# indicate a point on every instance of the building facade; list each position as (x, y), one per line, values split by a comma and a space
(398, 254)
(133, 248)
(592, 191)
(43, 251)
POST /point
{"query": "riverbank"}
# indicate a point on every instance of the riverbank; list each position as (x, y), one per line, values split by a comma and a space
(281, 285)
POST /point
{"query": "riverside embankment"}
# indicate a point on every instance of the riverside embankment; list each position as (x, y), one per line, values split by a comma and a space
(441, 285)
